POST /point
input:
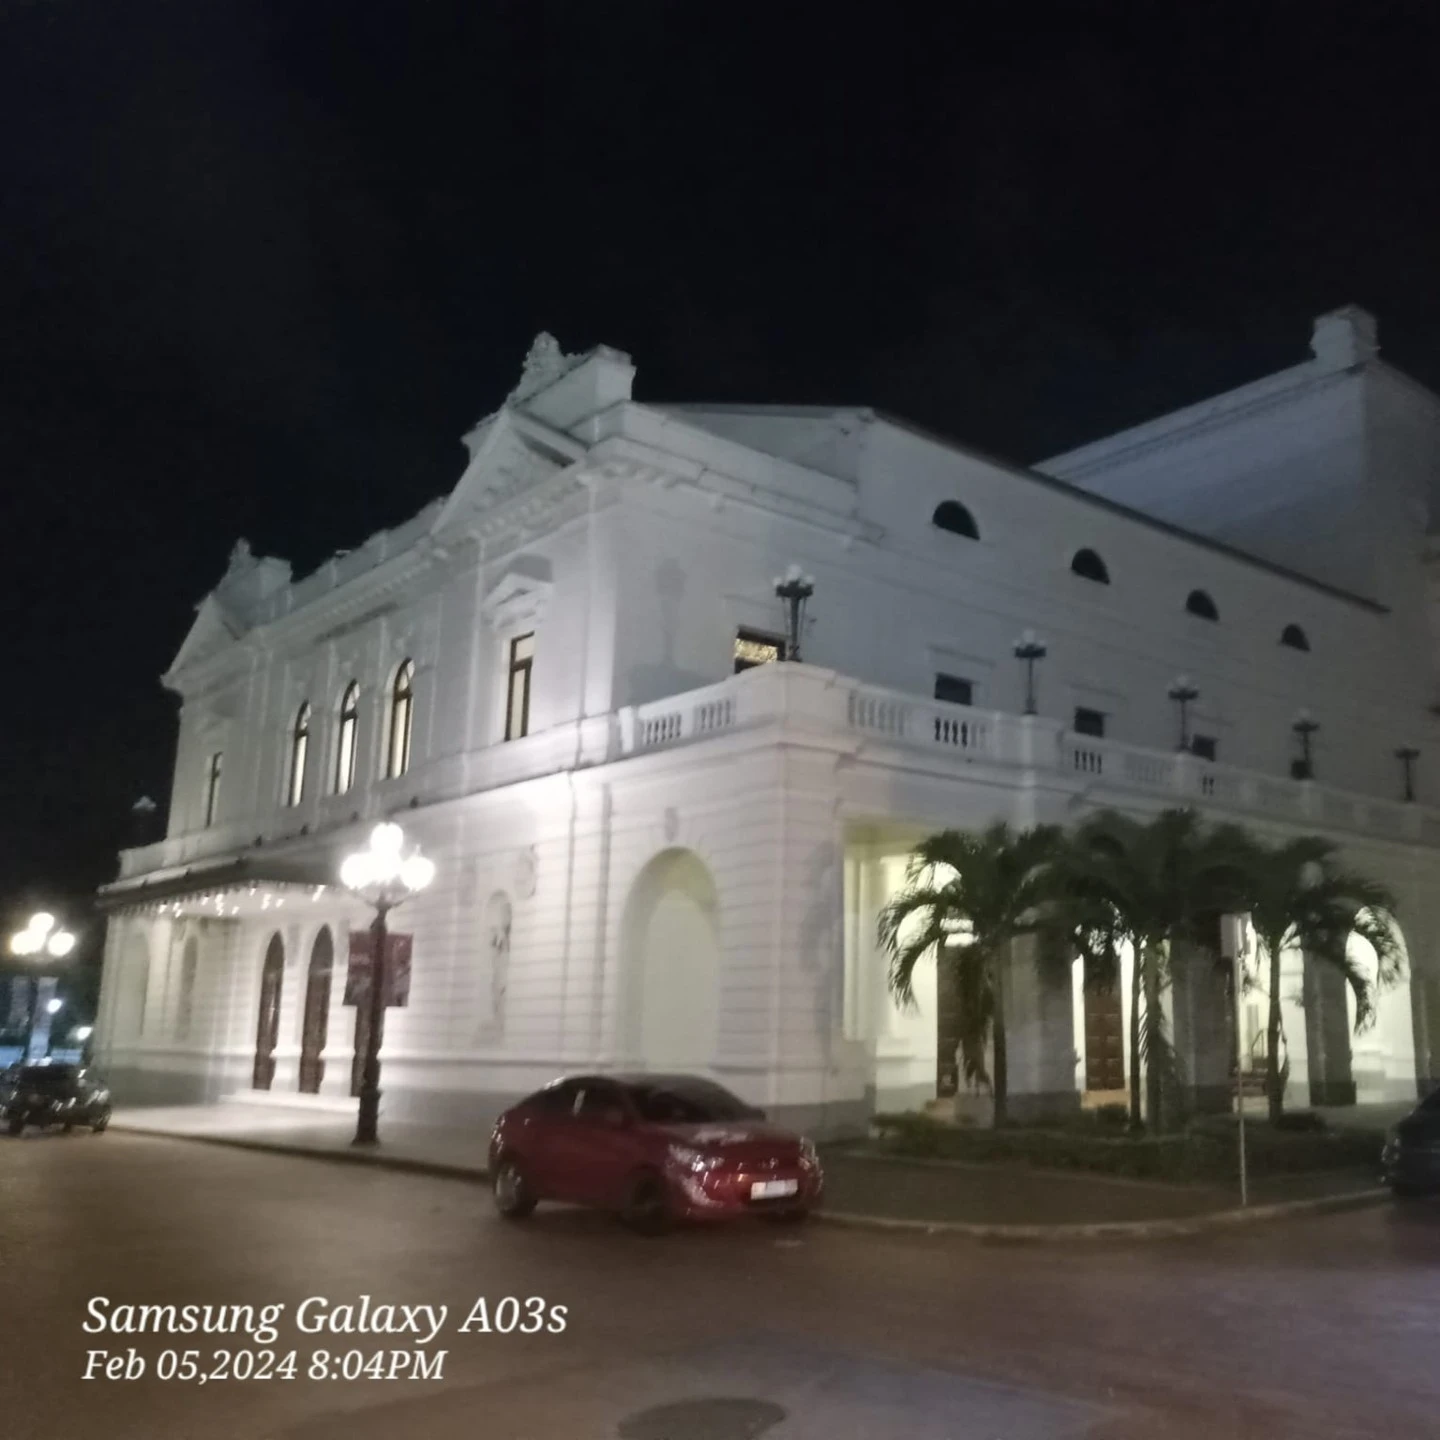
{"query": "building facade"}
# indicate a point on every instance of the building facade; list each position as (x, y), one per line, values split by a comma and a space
(657, 849)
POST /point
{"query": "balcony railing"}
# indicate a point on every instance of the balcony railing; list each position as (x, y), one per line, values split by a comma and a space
(804, 698)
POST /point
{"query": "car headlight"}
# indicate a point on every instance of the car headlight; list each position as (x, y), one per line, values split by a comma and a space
(689, 1158)
(102, 1097)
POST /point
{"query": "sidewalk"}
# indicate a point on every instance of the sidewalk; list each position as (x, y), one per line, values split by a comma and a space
(988, 1201)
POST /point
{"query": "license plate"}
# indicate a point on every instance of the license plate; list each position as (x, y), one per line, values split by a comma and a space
(773, 1189)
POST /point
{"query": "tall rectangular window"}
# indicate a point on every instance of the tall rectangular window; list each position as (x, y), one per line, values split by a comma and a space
(1089, 722)
(212, 787)
(345, 739)
(517, 692)
(755, 647)
(954, 689)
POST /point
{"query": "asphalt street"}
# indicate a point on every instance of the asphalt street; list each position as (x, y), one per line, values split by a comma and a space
(1325, 1327)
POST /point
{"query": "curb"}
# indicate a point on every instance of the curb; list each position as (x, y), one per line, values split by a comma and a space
(1114, 1229)
(1000, 1234)
(380, 1161)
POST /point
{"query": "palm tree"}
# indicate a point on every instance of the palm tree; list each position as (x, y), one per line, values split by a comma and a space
(1298, 895)
(966, 898)
(1151, 884)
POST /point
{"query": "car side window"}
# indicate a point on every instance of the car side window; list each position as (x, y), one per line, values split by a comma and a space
(555, 1100)
(598, 1102)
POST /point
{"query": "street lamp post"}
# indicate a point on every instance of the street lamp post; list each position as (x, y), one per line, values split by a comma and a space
(1305, 727)
(794, 588)
(1028, 649)
(43, 937)
(1407, 756)
(1182, 692)
(384, 876)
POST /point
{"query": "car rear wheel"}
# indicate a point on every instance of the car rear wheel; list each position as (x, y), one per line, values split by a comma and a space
(647, 1206)
(98, 1125)
(513, 1197)
(15, 1125)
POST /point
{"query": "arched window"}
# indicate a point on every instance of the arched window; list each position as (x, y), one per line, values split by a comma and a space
(345, 741)
(951, 515)
(1199, 603)
(1089, 566)
(299, 747)
(402, 705)
(1295, 638)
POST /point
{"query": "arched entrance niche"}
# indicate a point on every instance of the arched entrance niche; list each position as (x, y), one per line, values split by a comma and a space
(130, 999)
(315, 1024)
(670, 949)
(267, 1022)
(1382, 1057)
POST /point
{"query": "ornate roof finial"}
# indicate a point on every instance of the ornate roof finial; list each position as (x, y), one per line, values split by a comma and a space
(241, 559)
(545, 364)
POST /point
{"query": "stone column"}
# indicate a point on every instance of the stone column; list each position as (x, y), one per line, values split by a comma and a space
(1040, 1030)
(1203, 1038)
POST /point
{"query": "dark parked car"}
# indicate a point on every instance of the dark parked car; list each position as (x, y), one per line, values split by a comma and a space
(46, 1092)
(652, 1148)
(1410, 1163)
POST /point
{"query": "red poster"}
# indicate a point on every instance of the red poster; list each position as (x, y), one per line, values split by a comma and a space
(398, 950)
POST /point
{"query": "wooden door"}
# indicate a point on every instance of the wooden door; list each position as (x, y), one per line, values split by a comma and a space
(1104, 1040)
(317, 1013)
(267, 1027)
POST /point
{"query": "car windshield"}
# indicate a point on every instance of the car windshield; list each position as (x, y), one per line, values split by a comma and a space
(687, 1102)
(39, 1077)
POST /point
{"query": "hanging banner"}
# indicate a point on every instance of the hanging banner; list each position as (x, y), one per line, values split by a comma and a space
(398, 949)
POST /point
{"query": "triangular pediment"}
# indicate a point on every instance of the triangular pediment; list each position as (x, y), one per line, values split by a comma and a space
(512, 454)
(521, 593)
(214, 630)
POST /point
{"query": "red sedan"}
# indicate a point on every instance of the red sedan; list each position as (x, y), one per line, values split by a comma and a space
(653, 1148)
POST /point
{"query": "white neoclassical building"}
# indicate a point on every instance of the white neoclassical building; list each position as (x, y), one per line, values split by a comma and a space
(655, 849)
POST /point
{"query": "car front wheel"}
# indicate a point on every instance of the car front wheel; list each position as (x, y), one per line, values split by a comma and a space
(647, 1206)
(97, 1125)
(514, 1198)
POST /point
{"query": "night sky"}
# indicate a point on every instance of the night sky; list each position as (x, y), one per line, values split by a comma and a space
(262, 264)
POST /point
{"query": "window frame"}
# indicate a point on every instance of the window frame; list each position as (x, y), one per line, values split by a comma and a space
(400, 728)
(965, 526)
(941, 677)
(1097, 573)
(299, 755)
(214, 768)
(347, 737)
(748, 634)
(1201, 604)
(516, 667)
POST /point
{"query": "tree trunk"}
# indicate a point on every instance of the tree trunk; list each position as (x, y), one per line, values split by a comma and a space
(1154, 1074)
(1136, 1117)
(1274, 1086)
(1000, 1060)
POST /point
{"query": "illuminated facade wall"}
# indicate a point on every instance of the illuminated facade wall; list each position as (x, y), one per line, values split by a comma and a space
(658, 803)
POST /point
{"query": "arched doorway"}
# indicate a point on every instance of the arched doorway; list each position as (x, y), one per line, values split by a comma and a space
(316, 1022)
(267, 1025)
(671, 976)
(1382, 1055)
